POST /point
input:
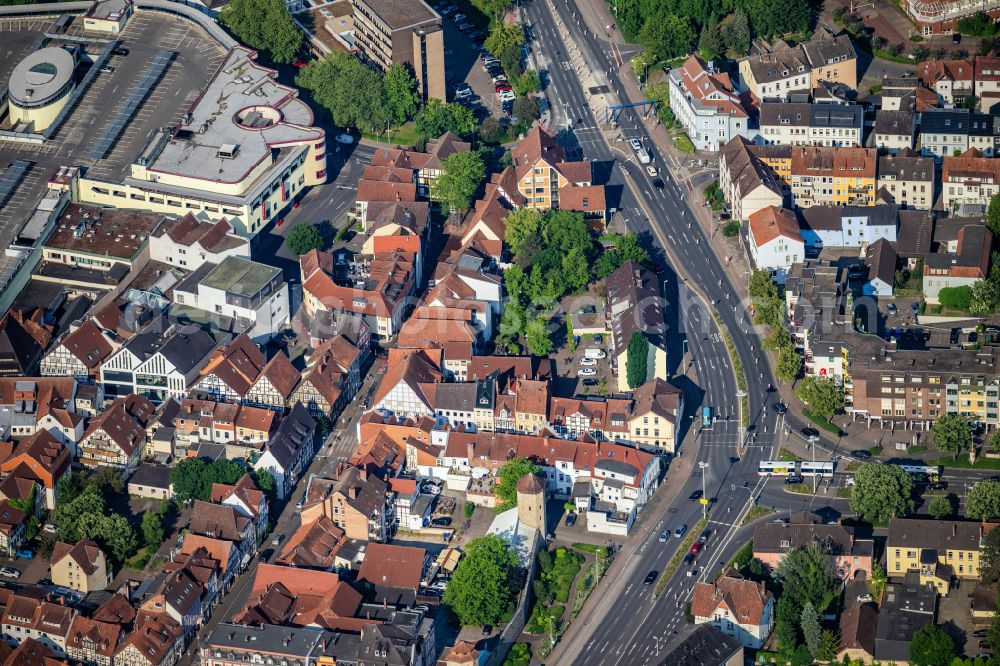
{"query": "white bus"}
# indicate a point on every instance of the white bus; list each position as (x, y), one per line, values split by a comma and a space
(823, 469)
(776, 468)
(932, 472)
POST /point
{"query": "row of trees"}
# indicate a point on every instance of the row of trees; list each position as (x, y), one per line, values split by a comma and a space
(769, 310)
(670, 28)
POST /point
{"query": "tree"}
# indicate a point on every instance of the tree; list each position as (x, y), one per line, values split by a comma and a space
(401, 96)
(989, 558)
(957, 298)
(152, 529)
(112, 533)
(190, 480)
(983, 500)
(70, 487)
(881, 492)
(491, 132)
(264, 24)
(636, 360)
(822, 395)
(436, 117)
(789, 363)
(878, 580)
(788, 616)
(353, 93)
(461, 175)
(107, 480)
(504, 38)
(537, 337)
(931, 646)
(481, 590)
(510, 61)
(526, 84)
(224, 471)
(622, 249)
(984, 297)
(302, 238)
(806, 576)
(67, 516)
(950, 434)
(711, 43)
(668, 36)
(509, 475)
(521, 224)
(812, 632)
(264, 481)
(994, 441)
(829, 644)
(761, 285)
(735, 31)
(526, 108)
(941, 507)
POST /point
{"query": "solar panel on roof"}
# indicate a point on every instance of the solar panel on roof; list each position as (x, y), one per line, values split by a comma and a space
(154, 70)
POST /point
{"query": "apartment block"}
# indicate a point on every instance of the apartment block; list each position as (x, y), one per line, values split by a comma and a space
(939, 550)
(705, 101)
(907, 178)
(810, 124)
(970, 178)
(387, 32)
(826, 176)
(773, 71)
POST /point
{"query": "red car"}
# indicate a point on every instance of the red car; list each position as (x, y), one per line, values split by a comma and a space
(503, 86)
(696, 547)
(299, 63)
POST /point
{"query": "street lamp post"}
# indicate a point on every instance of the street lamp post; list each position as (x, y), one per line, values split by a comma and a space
(704, 498)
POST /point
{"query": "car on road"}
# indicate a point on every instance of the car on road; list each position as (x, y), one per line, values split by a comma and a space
(692, 573)
(276, 541)
(107, 69)
(780, 408)
(695, 496)
(793, 479)
(635, 143)
(681, 529)
(586, 372)
(570, 519)
(10, 572)
(860, 454)
(120, 51)
(664, 536)
(696, 547)
(939, 485)
(688, 560)
(345, 139)
(705, 535)
(651, 170)
(650, 577)
(658, 184)
(809, 432)
(891, 308)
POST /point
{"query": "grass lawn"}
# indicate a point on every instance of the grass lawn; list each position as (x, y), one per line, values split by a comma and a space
(844, 492)
(555, 580)
(404, 135)
(683, 143)
(755, 513)
(962, 462)
(800, 488)
(822, 422)
(875, 450)
(784, 454)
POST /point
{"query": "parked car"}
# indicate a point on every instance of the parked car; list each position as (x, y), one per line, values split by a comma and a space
(25, 554)
(809, 432)
(915, 307)
(650, 577)
(864, 597)
(590, 381)
(860, 455)
(681, 529)
(458, 17)
(301, 503)
(956, 38)
(586, 372)
(891, 308)
(50, 528)
(985, 645)
(598, 339)
(588, 362)
(276, 541)
(107, 69)
(981, 633)
(956, 333)
(10, 572)
(503, 87)
(441, 522)
(345, 139)
(299, 63)
(120, 51)
(570, 519)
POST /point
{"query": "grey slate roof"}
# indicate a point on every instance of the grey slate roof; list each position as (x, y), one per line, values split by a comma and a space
(703, 645)
(269, 638)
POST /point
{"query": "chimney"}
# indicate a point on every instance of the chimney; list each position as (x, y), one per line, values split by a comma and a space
(470, 450)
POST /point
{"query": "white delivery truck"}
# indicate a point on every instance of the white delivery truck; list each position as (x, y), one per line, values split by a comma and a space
(644, 156)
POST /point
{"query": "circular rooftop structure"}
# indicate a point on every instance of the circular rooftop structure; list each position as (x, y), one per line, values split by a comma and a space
(42, 78)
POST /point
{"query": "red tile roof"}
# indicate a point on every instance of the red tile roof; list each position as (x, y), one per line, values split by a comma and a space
(387, 565)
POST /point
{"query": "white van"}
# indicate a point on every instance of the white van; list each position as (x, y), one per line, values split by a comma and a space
(594, 352)
(644, 157)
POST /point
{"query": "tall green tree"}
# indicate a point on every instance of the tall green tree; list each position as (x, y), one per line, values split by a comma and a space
(636, 360)
(812, 632)
(668, 36)
(504, 37)
(829, 644)
(152, 528)
(509, 475)
(788, 616)
(789, 363)
(302, 238)
(932, 646)
(190, 479)
(993, 215)
(353, 93)
(537, 337)
(401, 96)
(623, 248)
(985, 297)
(521, 224)
(983, 500)
(264, 481)
(807, 577)
(482, 589)
(436, 117)
(822, 395)
(881, 492)
(710, 43)
(461, 176)
(735, 31)
(950, 434)
(941, 507)
(264, 24)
